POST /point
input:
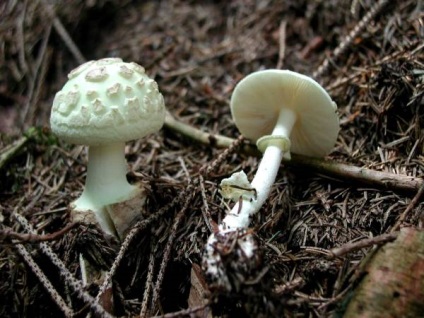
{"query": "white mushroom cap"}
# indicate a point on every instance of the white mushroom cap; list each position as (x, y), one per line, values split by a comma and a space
(107, 101)
(259, 98)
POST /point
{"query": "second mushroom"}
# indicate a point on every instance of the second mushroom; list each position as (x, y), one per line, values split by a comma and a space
(282, 111)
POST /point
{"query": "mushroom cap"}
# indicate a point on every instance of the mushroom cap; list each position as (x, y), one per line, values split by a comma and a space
(107, 101)
(258, 98)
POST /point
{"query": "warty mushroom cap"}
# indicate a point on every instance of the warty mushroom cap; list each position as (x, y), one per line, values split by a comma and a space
(258, 99)
(107, 101)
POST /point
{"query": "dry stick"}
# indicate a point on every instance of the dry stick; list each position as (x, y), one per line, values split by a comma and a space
(206, 170)
(196, 134)
(137, 228)
(9, 152)
(185, 312)
(205, 208)
(415, 200)
(363, 175)
(381, 179)
(21, 39)
(336, 298)
(371, 14)
(282, 40)
(32, 237)
(149, 282)
(37, 78)
(350, 247)
(75, 284)
(405, 53)
(60, 29)
(44, 280)
(167, 255)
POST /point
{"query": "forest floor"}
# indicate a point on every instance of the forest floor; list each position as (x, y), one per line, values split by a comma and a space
(367, 54)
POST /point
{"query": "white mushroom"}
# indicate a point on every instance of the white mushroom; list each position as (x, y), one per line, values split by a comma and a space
(104, 104)
(283, 112)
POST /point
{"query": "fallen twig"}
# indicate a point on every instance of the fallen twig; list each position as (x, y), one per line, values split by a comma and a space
(375, 178)
(350, 247)
(392, 281)
(139, 226)
(75, 284)
(60, 29)
(44, 280)
(185, 312)
(149, 283)
(9, 234)
(415, 200)
(341, 48)
(167, 255)
(9, 152)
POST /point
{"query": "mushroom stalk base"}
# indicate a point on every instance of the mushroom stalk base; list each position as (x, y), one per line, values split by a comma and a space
(106, 183)
(240, 215)
(274, 147)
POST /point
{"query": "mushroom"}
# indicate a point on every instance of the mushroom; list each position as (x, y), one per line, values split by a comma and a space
(282, 111)
(103, 105)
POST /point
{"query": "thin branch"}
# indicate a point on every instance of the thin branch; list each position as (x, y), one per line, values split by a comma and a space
(149, 283)
(282, 42)
(9, 152)
(185, 312)
(167, 254)
(60, 29)
(44, 280)
(9, 234)
(74, 283)
(341, 48)
(196, 134)
(205, 207)
(350, 247)
(137, 228)
(345, 172)
(415, 200)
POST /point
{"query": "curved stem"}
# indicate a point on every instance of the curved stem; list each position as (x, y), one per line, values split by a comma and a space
(106, 181)
(240, 215)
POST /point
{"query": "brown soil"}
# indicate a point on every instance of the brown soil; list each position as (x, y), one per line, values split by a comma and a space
(197, 51)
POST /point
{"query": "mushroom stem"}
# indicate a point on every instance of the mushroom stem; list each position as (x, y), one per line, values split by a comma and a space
(274, 147)
(285, 122)
(106, 181)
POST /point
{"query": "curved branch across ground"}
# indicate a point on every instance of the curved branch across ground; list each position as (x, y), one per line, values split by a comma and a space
(380, 179)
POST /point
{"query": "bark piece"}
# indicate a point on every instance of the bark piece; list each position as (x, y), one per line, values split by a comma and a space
(393, 285)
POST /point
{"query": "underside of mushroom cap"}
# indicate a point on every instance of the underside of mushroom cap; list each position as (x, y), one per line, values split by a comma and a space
(258, 98)
(107, 101)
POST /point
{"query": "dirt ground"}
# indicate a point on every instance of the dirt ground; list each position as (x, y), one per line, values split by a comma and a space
(367, 54)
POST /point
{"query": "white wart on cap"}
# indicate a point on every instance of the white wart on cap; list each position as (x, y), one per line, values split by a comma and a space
(283, 112)
(104, 104)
